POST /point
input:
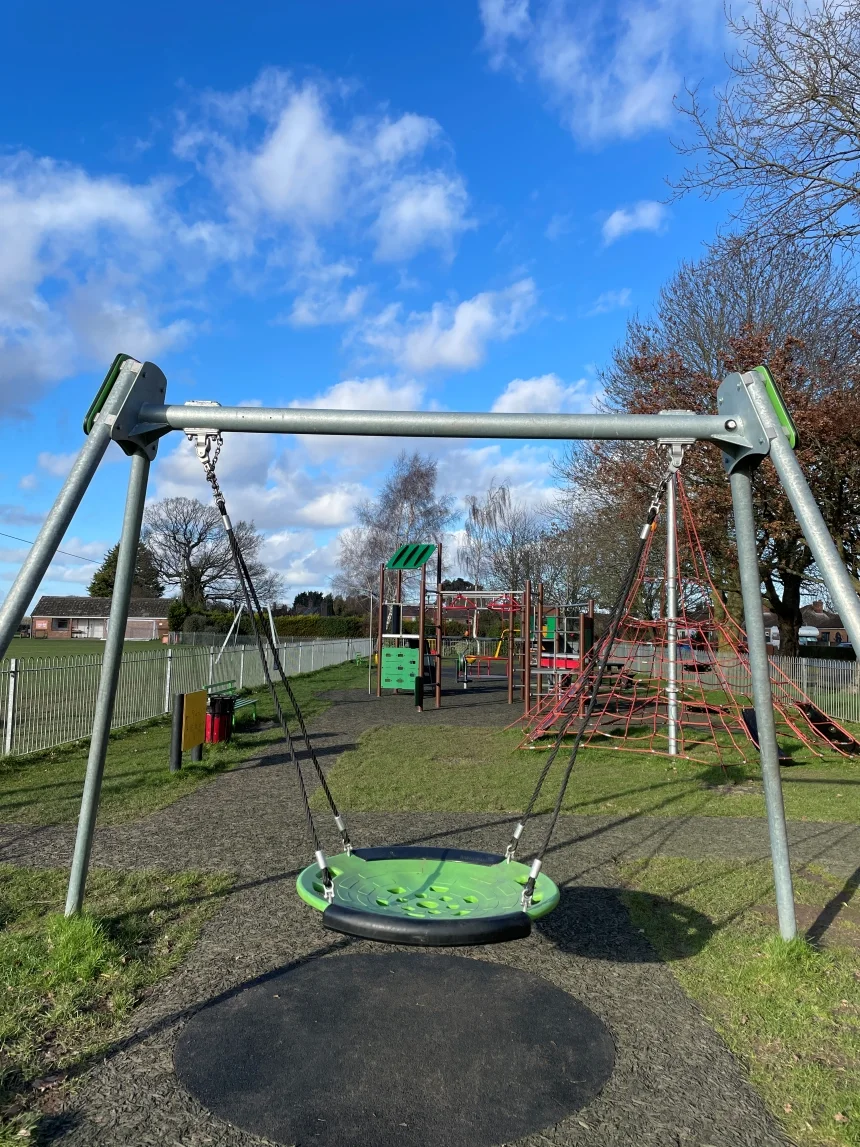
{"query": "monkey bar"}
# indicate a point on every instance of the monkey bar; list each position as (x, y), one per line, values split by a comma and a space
(749, 426)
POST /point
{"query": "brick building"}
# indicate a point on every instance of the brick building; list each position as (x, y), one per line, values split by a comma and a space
(64, 618)
(831, 631)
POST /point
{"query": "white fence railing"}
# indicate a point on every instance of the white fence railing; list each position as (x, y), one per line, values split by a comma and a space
(832, 686)
(46, 702)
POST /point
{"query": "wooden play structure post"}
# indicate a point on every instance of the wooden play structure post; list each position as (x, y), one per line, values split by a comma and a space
(380, 630)
(511, 648)
(439, 626)
(421, 643)
(539, 642)
(527, 652)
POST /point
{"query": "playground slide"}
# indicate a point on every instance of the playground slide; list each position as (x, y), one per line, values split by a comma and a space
(828, 729)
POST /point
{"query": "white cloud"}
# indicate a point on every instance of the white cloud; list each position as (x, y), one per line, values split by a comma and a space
(91, 262)
(274, 490)
(448, 336)
(408, 135)
(11, 515)
(366, 394)
(360, 455)
(526, 470)
(610, 70)
(28, 482)
(610, 301)
(325, 299)
(301, 561)
(418, 212)
(278, 157)
(300, 170)
(57, 465)
(560, 224)
(646, 215)
(546, 394)
(503, 20)
(76, 250)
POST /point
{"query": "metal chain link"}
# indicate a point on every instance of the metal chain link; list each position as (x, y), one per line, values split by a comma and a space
(207, 444)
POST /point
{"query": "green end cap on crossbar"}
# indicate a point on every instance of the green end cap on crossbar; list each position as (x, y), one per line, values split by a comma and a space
(103, 391)
(412, 556)
(778, 404)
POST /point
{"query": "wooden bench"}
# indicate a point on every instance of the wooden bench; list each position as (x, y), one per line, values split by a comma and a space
(228, 689)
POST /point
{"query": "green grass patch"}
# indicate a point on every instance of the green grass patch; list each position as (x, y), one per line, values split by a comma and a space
(71, 647)
(790, 1012)
(45, 788)
(461, 769)
(69, 986)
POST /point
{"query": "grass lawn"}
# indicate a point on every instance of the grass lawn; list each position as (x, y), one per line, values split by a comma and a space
(45, 788)
(790, 1012)
(76, 647)
(457, 769)
(69, 986)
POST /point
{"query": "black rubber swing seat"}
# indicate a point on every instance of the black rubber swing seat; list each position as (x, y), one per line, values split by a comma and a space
(406, 894)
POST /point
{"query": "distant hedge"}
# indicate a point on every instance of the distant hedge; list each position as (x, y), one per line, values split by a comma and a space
(311, 625)
(827, 652)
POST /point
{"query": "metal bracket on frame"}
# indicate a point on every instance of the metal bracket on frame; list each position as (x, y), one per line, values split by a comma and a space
(677, 446)
(736, 405)
(150, 386)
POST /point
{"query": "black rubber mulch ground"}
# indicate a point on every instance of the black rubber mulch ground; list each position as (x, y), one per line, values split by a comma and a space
(479, 1033)
(674, 1081)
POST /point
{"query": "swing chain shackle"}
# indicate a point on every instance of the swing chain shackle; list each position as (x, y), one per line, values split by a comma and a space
(207, 442)
(511, 850)
(676, 457)
(529, 887)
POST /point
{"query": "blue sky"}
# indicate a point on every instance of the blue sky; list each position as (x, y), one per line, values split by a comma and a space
(377, 204)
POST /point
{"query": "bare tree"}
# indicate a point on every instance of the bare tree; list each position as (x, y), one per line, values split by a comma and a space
(741, 284)
(482, 516)
(514, 546)
(785, 131)
(189, 549)
(408, 509)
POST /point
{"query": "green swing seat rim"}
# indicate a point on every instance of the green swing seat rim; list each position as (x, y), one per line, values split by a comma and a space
(407, 894)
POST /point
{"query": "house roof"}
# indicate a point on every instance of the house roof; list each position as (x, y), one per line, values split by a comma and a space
(146, 607)
(819, 618)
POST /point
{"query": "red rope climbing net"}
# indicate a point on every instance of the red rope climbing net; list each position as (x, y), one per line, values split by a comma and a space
(716, 722)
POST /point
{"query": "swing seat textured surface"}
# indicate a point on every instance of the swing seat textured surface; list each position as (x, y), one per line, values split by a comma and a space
(407, 894)
(395, 1049)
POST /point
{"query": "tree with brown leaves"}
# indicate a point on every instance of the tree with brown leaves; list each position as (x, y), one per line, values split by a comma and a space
(707, 325)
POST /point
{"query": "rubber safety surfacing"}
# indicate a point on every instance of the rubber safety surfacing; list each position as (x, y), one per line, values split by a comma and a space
(395, 1049)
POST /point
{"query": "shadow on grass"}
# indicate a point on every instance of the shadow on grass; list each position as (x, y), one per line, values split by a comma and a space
(593, 923)
(831, 910)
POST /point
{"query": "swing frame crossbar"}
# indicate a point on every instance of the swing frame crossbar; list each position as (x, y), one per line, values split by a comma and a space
(748, 427)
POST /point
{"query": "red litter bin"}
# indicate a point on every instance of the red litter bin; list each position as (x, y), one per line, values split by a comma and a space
(219, 719)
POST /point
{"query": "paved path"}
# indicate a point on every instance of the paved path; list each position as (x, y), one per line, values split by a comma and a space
(675, 1082)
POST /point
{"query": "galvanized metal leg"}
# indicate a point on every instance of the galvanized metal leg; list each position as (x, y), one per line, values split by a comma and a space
(745, 535)
(817, 535)
(672, 613)
(108, 681)
(60, 515)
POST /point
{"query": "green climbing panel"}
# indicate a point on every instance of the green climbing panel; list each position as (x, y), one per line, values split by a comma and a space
(428, 888)
(399, 668)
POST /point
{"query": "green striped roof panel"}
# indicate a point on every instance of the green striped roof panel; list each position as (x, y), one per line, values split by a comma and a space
(412, 556)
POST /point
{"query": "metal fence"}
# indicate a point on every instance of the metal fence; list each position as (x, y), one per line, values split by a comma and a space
(46, 702)
(832, 686)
